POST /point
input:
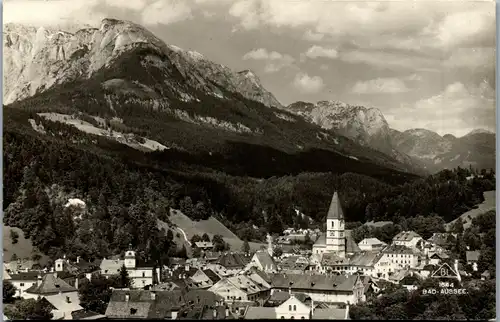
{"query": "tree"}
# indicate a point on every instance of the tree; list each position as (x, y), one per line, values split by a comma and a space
(246, 247)
(95, 295)
(205, 237)
(458, 226)
(13, 257)
(196, 251)
(123, 280)
(30, 309)
(14, 236)
(277, 252)
(195, 239)
(170, 235)
(219, 243)
(9, 290)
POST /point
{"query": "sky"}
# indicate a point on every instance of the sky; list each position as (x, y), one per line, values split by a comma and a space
(424, 64)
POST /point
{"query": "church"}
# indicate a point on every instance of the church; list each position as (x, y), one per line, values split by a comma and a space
(336, 239)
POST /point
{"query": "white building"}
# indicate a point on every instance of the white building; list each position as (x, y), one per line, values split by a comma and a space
(140, 275)
(399, 257)
(336, 240)
(370, 244)
(407, 238)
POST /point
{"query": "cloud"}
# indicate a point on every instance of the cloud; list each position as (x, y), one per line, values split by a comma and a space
(472, 58)
(308, 84)
(321, 52)
(91, 12)
(420, 26)
(414, 78)
(166, 12)
(52, 13)
(390, 61)
(313, 36)
(458, 109)
(379, 86)
(274, 60)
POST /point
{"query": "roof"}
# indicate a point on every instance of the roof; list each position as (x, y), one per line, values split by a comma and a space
(51, 284)
(332, 259)
(86, 315)
(260, 313)
(246, 284)
(350, 244)
(339, 283)
(406, 236)
(211, 275)
(141, 304)
(367, 258)
(25, 276)
(371, 241)
(472, 255)
(266, 260)
(282, 296)
(111, 266)
(233, 260)
(399, 249)
(168, 286)
(65, 303)
(201, 244)
(335, 211)
(329, 314)
(439, 255)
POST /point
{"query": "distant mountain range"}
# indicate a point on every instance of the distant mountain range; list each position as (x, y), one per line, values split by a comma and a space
(121, 71)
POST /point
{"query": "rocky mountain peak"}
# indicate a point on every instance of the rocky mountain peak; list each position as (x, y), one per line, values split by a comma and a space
(37, 58)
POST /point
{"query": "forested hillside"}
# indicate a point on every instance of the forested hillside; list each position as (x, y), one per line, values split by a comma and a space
(126, 190)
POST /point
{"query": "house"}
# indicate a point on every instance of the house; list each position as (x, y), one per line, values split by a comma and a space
(409, 239)
(230, 264)
(437, 258)
(336, 239)
(472, 256)
(400, 257)
(442, 239)
(322, 288)
(140, 273)
(293, 308)
(202, 280)
(371, 244)
(20, 265)
(203, 245)
(294, 265)
(63, 297)
(23, 281)
(298, 306)
(485, 275)
(142, 304)
(241, 288)
(411, 281)
(263, 261)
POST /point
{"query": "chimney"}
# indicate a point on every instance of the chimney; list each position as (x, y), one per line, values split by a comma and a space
(346, 312)
(187, 267)
(227, 311)
(52, 269)
(78, 259)
(153, 296)
(127, 297)
(214, 313)
(76, 282)
(39, 280)
(55, 274)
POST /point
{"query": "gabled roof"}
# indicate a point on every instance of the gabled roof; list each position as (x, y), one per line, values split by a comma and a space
(335, 211)
(406, 236)
(24, 276)
(259, 313)
(398, 249)
(339, 283)
(211, 275)
(51, 284)
(233, 260)
(371, 241)
(111, 266)
(266, 260)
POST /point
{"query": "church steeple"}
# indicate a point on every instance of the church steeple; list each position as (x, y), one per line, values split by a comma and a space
(335, 210)
(335, 234)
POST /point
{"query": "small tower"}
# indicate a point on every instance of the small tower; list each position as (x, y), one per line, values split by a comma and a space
(335, 237)
(59, 263)
(130, 258)
(269, 245)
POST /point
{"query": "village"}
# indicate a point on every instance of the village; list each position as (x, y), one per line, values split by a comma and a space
(293, 283)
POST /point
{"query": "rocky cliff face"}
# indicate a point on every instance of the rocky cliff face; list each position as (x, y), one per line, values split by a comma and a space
(476, 149)
(366, 126)
(36, 59)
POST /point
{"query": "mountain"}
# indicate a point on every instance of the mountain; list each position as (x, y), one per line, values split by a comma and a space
(36, 59)
(367, 126)
(121, 76)
(476, 149)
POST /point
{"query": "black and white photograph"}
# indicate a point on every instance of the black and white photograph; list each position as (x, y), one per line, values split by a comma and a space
(249, 159)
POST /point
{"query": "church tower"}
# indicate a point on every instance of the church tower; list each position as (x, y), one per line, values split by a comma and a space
(130, 258)
(335, 235)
